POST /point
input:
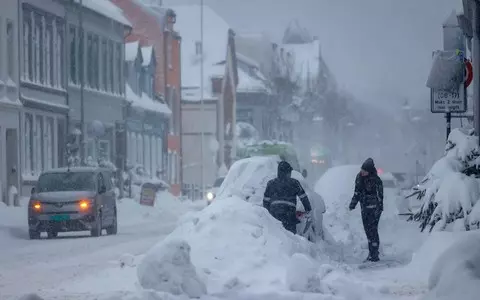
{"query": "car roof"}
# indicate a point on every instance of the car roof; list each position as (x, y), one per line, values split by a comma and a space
(77, 170)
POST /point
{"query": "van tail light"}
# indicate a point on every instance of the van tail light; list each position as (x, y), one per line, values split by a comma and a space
(84, 204)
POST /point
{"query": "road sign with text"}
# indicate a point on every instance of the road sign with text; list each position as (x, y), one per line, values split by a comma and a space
(443, 101)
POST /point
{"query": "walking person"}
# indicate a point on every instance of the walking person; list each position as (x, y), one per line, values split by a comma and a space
(369, 192)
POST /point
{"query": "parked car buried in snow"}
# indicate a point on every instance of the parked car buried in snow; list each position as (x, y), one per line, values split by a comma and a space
(75, 199)
(248, 178)
(212, 192)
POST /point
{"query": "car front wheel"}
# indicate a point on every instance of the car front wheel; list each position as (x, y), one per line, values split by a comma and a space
(97, 226)
(112, 229)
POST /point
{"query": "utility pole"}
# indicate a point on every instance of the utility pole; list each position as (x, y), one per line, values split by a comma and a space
(82, 84)
(202, 111)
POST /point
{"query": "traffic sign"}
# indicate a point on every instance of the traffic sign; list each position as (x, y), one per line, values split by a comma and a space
(444, 101)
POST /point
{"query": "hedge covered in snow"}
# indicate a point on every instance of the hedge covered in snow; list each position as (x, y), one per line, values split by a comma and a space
(450, 191)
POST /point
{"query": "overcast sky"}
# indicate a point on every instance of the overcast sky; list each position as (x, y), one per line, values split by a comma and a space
(379, 50)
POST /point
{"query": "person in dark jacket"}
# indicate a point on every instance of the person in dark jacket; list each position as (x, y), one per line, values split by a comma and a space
(369, 192)
(280, 197)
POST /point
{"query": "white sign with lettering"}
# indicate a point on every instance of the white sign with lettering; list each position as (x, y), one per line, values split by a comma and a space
(443, 101)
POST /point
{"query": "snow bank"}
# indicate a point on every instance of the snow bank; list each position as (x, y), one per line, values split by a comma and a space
(167, 268)
(235, 245)
(456, 273)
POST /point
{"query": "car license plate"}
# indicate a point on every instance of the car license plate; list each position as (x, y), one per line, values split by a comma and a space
(60, 218)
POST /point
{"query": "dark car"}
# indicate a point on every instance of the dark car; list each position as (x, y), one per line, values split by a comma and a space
(74, 199)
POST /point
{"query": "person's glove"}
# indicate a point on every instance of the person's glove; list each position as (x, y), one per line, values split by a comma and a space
(351, 206)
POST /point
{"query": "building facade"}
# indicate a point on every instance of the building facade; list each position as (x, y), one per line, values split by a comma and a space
(95, 52)
(10, 105)
(146, 118)
(43, 88)
(153, 25)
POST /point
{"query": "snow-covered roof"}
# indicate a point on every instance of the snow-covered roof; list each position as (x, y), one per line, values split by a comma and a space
(215, 40)
(249, 61)
(248, 83)
(107, 9)
(147, 55)
(131, 51)
(306, 58)
(145, 102)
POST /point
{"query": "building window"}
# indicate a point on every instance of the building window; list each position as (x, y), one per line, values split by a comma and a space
(111, 64)
(10, 50)
(27, 47)
(104, 150)
(139, 149)
(28, 165)
(94, 63)
(59, 55)
(90, 76)
(153, 151)
(37, 50)
(49, 144)
(118, 65)
(38, 144)
(147, 161)
(104, 64)
(169, 51)
(49, 57)
(73, 54)
(159, 155)
(198, 48)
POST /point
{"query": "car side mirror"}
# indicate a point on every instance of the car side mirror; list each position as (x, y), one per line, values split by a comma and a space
(102, 189)
(32, 191)
(304, 173)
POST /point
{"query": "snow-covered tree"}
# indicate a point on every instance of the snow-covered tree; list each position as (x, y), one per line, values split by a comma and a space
(296, 34)
(450, 192)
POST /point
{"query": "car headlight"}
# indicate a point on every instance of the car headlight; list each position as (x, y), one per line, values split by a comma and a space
(210, 196)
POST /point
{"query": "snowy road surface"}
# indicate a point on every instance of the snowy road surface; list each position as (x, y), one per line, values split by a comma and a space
(47, 265)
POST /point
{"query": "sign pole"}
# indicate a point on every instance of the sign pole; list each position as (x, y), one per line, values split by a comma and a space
(448, 116)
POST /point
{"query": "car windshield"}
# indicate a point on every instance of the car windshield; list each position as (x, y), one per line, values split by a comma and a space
(218, 182)
(66, 181)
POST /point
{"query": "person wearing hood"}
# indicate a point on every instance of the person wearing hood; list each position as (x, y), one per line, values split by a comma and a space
(369, 192)
(280, 197)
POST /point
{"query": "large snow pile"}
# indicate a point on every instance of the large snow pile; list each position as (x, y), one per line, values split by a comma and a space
(237, 247)
(456, 273)
(450, 192)
(344, 228)
(167, 268)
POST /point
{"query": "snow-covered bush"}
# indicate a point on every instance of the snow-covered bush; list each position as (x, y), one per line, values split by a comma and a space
(451, 189)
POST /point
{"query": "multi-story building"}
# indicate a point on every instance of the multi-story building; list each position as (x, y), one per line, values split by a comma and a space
(43, 87)
(153, 26)
(10, 105)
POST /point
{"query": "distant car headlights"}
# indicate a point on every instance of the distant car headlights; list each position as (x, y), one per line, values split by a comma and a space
(210, 196)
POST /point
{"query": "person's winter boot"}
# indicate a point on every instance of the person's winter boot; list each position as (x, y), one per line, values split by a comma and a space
(374, 258)
(369, 258)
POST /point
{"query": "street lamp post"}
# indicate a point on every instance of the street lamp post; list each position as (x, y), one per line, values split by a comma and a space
(82, 84)
(202, 111)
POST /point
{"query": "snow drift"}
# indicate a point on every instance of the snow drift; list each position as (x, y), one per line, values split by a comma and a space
(456, 273)
(235, 244)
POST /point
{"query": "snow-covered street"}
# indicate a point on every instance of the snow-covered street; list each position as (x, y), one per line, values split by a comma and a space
(48, 266)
